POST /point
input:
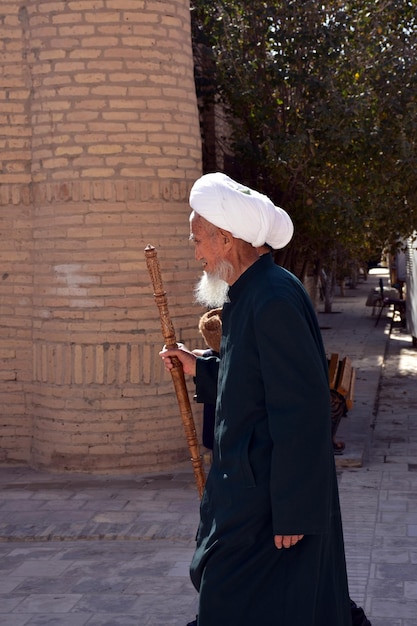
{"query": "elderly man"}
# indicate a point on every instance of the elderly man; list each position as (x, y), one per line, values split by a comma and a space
(270, 545)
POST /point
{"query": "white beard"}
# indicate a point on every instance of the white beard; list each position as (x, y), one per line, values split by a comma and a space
(211, 290)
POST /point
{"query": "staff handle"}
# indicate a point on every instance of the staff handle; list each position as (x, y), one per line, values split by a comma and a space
(177, 371)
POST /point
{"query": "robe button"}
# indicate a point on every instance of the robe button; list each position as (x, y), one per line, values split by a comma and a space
(225, 476)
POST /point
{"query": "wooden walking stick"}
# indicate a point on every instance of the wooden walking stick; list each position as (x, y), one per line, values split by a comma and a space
(177, 371)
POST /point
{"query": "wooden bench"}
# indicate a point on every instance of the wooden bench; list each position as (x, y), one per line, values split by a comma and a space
(342, 389)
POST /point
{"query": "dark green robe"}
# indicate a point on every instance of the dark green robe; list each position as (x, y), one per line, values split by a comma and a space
(273, 469)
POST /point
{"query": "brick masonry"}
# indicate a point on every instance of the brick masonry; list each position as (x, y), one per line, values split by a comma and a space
(100, 144)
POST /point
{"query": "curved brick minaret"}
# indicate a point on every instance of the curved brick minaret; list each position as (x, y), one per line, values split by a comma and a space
(103, 145)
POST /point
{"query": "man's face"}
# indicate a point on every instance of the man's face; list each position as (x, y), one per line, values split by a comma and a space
(207, 244)
(212, 288)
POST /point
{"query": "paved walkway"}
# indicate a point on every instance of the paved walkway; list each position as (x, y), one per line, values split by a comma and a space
(80, 550)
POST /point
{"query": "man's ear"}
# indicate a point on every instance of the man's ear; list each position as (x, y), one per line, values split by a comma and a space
(226, 238)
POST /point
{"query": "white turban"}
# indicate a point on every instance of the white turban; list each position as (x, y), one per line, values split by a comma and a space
(245, 213)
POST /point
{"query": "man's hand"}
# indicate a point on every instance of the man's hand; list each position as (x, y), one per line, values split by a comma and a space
(187, 358)
(286, 541)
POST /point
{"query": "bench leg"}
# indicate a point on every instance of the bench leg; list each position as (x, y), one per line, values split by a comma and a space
(338, 410)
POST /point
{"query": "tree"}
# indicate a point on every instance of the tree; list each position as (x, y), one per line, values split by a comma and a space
(321, 104)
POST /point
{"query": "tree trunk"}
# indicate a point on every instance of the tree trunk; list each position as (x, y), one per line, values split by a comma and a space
(328, 284)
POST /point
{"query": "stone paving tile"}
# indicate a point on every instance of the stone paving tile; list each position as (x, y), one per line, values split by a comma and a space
(47, 603)
(387, 622)
(21, 620)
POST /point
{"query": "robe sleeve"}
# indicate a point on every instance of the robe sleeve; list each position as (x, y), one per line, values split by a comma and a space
(297, 397)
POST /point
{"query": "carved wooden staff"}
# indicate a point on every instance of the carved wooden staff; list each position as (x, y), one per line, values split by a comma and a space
(177, 371)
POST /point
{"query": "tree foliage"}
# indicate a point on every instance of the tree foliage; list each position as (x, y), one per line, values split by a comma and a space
(321, 102)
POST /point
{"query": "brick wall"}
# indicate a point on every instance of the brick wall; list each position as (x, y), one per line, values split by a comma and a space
(99, 144)
(16, 244)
